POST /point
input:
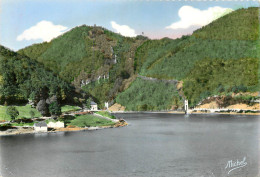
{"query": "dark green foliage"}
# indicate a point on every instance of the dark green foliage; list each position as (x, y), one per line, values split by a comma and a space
(36, 51)
(88, 101)
(67, 55)
(55, 108)
(23, 78)
(87, 53)
(85, 49)
(214, 77)
(148, 95)
(242, 24)
(175, 59)
(149, 49)
(219, 58)
(99, 90)
(12, 112)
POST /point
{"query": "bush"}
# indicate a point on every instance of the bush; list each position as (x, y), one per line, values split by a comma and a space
(12, 112)
(55, 108)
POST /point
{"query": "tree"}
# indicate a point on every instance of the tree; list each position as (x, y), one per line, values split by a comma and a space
(32, 114)
(42, 107)
(55, 108)
(88, 101)
(12, 112)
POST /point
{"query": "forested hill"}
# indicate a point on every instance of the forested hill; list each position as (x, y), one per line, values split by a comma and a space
(217, 59)
(22, 78)
(87, 52)
(93, 58)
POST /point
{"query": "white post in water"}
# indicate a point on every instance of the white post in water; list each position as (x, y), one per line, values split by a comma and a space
(186, 106)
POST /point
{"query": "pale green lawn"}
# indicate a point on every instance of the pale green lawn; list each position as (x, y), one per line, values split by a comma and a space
(67, 108)
(90, 121)
(106, 114)
(24, 111)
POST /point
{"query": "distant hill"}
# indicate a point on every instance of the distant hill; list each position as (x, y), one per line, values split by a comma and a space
(87, 54)
(217, 59)
(22, 78)
(242, 24)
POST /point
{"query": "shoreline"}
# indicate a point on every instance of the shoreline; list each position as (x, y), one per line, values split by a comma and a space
(19, 131)
(118, 123)
(182, 112)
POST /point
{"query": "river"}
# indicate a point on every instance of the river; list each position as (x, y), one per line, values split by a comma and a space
(152, 145)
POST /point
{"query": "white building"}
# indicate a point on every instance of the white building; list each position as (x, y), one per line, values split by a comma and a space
(93, 106)
(106, 105)
(40, 127)
(58, 124)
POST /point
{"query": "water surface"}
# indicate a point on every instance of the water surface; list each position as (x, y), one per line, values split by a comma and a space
(152, 145)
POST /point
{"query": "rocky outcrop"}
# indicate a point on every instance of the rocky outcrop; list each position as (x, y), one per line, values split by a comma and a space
(121, 123)
(116, 107)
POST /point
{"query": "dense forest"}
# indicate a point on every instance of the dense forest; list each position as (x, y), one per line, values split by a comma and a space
(218, 59)
(88, 54)
(150, 95)
(22, 78)
(221, 55)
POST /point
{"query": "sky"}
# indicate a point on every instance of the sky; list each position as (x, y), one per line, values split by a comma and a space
(25, 22)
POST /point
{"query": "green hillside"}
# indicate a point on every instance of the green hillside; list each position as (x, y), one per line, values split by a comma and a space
(242, 24)
(145, 95)
(217, 59)
(22, 78)
(86, 54)
(221, 54)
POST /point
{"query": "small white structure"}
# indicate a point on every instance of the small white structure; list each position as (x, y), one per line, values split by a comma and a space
(115, 61)
(106, 105)
(40, 127)
(93, 106)
(58, 124)
(186, 106)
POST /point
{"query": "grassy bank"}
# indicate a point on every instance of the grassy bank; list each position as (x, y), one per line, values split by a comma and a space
(87, 121)
(24, 112)
(68, 108)
(106, 114)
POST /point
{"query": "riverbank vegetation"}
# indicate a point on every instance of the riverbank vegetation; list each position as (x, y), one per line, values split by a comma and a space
(145, 95)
